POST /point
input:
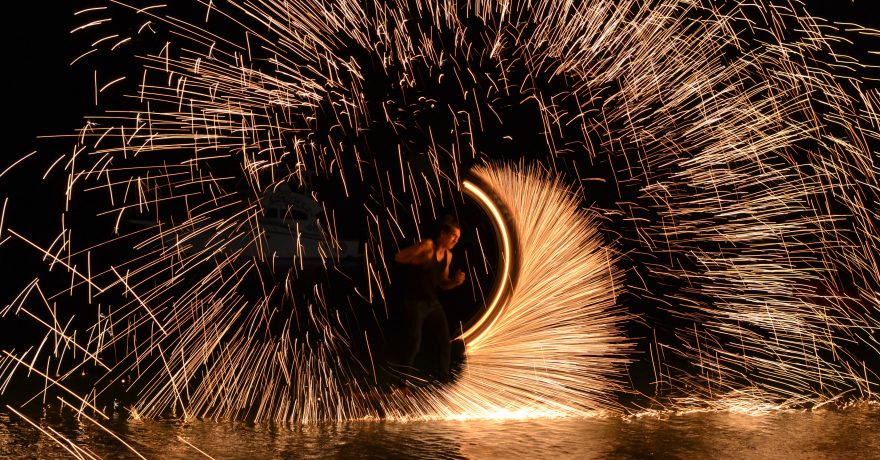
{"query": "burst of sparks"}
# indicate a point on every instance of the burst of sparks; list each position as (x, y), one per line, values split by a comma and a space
(738, 217)
(556, 347)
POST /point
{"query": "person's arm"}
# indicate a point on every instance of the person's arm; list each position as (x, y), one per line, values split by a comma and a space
(416, 254)
(446, 282)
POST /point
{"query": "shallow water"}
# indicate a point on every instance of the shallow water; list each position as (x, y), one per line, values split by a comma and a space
(850, 433)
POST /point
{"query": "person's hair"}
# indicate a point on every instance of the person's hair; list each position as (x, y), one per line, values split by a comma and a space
(446, 224)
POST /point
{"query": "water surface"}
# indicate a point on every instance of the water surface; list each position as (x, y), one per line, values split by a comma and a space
(849, 433)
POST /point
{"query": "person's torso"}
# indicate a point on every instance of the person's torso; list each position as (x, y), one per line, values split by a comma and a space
(424, 280)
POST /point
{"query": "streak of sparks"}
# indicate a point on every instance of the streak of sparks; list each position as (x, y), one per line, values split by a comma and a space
(556, 348)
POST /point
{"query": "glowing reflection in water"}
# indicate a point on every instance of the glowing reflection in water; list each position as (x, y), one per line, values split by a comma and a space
(850, 432)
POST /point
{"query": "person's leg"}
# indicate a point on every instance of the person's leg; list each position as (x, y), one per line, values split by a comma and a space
(411, 335)
(436, 324)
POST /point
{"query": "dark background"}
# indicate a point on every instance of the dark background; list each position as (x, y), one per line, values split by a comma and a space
(46, 96)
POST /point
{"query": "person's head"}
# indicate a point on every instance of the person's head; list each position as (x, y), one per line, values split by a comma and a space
(448, 232)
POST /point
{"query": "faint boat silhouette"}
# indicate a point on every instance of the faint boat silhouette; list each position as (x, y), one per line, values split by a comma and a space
(291, 233)
(294, 233)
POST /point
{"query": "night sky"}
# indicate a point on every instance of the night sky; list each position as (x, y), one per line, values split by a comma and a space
(47, 96)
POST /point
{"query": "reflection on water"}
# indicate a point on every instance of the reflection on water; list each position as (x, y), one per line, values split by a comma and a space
(850, 433)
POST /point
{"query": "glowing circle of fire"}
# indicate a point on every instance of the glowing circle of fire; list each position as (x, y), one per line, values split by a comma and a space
(471, 336)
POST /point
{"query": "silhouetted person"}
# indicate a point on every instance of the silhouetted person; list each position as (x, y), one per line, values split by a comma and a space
(427, 269)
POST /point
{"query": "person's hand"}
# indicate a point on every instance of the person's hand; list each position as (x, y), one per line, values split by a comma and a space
(458, 278)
